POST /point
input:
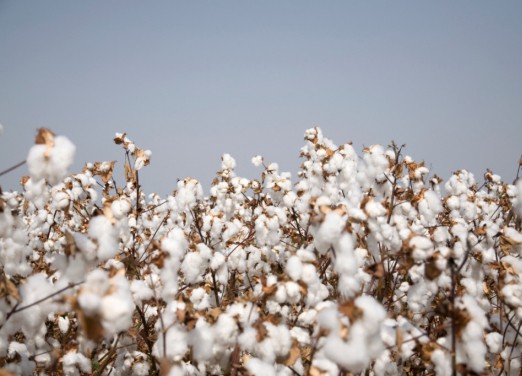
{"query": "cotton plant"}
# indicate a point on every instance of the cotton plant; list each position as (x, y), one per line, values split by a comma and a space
(364, 263)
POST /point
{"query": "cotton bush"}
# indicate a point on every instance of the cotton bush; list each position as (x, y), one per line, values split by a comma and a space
(364, 264)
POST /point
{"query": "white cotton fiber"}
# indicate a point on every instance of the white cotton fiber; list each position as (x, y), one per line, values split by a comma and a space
(51, 162)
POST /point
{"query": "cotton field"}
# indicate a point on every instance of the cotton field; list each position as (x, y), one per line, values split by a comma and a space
(364, 263)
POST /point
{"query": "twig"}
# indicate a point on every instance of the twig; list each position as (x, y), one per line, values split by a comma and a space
(19, 164)
(23, 308)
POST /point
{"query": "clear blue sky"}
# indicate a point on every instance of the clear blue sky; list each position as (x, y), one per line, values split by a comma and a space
(194, 79)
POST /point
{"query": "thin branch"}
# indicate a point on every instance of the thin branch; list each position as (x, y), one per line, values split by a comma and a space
(17, 309)
(19, 164)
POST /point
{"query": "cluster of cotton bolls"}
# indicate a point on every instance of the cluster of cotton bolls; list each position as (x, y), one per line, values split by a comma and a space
(363, 264)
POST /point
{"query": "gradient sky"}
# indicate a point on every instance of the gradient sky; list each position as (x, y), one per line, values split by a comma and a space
(191, 80)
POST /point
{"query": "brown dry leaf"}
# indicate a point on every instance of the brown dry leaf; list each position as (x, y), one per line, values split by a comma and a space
(325, 209)
(314, 371)
(480, 231)
(165, 365)
(269, 290)
(375, 270)
(141, 154)
(341, 210)
(261, 330)
(462, 318)
(104, 170)
(293, 355)
(8, 289)
(130, 174)
(399, 338)
(90, 325)
(499, 362)
(107, 210)
(4, 372)
(214, 314)
(70, 247)
(181, 314)
(350, 310)
(44, 136)
(119, 140)
(507, 244)
(431, 271)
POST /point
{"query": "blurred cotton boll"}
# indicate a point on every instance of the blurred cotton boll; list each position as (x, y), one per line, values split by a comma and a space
(50, 158)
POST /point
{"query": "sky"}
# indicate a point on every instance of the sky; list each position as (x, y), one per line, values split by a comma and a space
(191, 80)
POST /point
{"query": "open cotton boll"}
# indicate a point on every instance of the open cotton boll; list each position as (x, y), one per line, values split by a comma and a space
(257, 160)
(329, 232)
(74, 362)
(257, 367)
(32, 319)
(142, 160)
(103, 232)
(422, 247)
(117, 308)
(51, 162)
(294, 268)
(494, 342)
(188, 193)
(442, 362)
(140, 291)
(120, 208)
(193, 266)
(228, 163)
(63, 324)
(175, 344)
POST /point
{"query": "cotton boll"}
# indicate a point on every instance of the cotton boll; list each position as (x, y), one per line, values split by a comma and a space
(218, 260)
(352, 355)
(494, 342)
(473, 346)
(228, 163)
(192, 267)
(74, 362)
(442, 362)
(175, 244)
(247, 339)
(257, 367)
(89, 303)
(329, 232)
(102, 230)
(200, 299)
(60, 200)
(116, 310)
(140, 291)
(202, 341)
(63, 324)
(375, 209)
(51, 162)
(422, 247)
(32, 319)
(294, 268)
(257, 160)
(120, 208)
(175, 344)
(225, 329)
